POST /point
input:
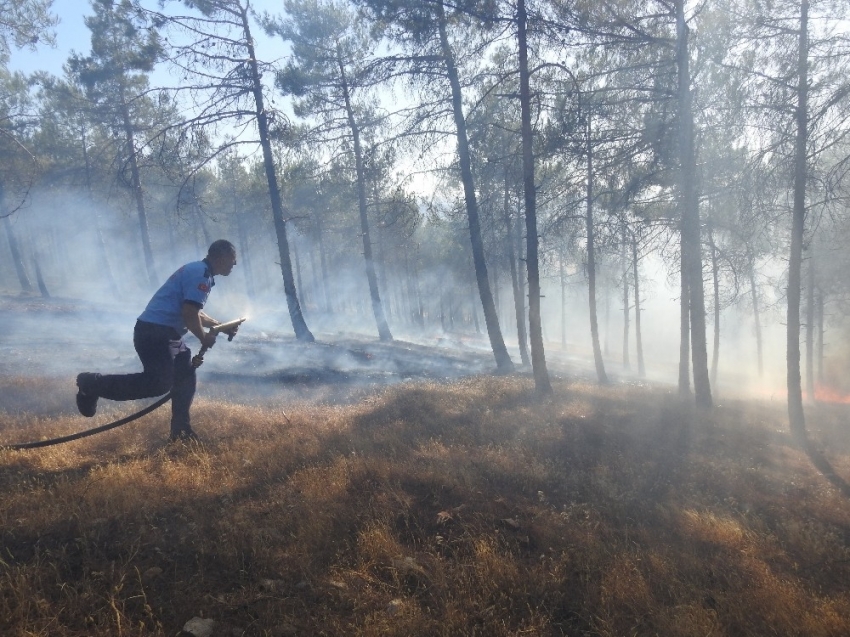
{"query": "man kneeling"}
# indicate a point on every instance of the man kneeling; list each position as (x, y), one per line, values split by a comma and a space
(158, 338)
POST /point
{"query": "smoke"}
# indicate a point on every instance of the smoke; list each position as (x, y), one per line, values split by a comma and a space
(98, 287)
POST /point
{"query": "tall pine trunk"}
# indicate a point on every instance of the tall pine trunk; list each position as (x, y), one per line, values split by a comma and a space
(691, 244)
(796, 415)
(684, 332)
(810, 330)
(36, 262)
(374, 293)
(323, 262)
(138, 192)
(624, 260)
(105, 266)
(751, 272)
(601, 376)
(245, 257)
(638, 333)
(562, 277)
(820, 346)
(299, 325)
(715, 278)
(15, 249)
(519, 301)
(491, 319)
(535, 326)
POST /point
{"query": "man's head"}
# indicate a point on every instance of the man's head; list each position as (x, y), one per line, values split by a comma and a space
(221, 256)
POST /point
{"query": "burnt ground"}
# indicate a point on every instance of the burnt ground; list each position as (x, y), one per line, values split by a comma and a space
(55, 339)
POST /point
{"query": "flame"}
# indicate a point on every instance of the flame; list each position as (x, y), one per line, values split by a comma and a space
(831, 395)
(823, 394)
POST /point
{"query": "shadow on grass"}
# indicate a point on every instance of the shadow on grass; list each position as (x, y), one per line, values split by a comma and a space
(474, 507)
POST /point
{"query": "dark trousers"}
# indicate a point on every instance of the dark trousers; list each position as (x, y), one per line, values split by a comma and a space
(167, 364)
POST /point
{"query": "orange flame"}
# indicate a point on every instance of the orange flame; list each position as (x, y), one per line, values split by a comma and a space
(831, 395)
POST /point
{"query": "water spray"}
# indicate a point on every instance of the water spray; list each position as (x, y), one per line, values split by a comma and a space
(197, 361)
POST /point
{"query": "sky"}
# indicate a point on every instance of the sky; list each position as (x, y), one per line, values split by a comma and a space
(72, 35)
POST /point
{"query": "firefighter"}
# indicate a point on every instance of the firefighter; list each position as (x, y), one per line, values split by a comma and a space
(177, 307)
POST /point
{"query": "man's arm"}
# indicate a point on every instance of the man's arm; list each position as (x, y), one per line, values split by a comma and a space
(195, 320)
(208, 321)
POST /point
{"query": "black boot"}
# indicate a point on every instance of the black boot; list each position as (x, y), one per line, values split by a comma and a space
(87, 393)
(184, 434)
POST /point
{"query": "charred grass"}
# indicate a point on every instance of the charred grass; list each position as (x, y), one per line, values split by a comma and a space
(466, 508)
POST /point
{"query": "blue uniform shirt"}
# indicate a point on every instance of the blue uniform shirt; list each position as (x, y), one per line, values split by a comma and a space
(190, 284)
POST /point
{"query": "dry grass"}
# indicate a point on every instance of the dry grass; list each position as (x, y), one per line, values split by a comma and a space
(472, 508)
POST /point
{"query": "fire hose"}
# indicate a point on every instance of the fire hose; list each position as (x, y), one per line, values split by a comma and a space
(197, 361)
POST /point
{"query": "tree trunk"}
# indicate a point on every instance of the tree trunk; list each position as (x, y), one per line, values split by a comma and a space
(820, 304)
(443, 309)
(519, 300)
(638, 335)
(796, 416)
(562, 276)
(601, 376)
(751, 270)
(105, 266)
(199, 215)
(473, 303)
(538, 356)
(315, 275)
(299, 325)
(297, 263)
(36, 261)
(624, 260)
(245, 256)
(497, 342)
(374, 293)
(691, 245)
(15, 249)
(810, 331)
(684, 333)
(138, 192)
(323, 260)
(606, 349)
(420, 308)
(715, 277)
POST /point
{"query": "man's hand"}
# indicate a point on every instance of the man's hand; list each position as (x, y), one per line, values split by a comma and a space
(208, 341)
(231, 332)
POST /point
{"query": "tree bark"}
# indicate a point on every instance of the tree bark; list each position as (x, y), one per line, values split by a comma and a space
(374, 293)
(810, 331)
(245, 256)
(138, 192)
(684, 332)
(105, 266)
(299, 325)
(519, 301)
(538, 356)
(417, 314)
(15, 249)
(715, 277)
(796, 415)
(820, 346)
(491, 319)
(601, 376)
(751, 271)
(691, 244)
(323, 261)
(562, 276)
(36, 261)
(638, 334)
(626, 306)
(297, 263)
